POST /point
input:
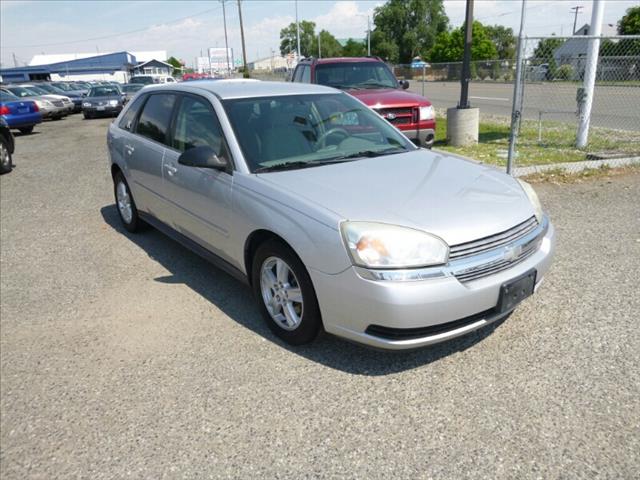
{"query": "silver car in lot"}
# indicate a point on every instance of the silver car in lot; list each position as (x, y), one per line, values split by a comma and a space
(333, 217)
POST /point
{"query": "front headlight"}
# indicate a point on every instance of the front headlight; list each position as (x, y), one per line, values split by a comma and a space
(427, 113)
(45, 103)
(379, 245)
(533, 198)
(86, 104)
(113, 103)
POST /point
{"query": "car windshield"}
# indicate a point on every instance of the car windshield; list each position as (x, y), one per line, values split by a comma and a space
(143, 80)
(352, 75)
(132, 87)
(298, 131)
(36, 90)
(23, 92)
(7, 96)
(51, 89)
(63, 86)
(104, 91)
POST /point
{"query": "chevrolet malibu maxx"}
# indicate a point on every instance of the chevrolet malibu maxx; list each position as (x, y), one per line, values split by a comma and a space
(332, 216)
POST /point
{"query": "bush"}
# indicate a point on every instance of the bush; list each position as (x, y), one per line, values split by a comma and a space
(564, 72)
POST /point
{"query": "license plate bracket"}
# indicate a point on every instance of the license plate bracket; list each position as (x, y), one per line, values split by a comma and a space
(101, 108)
(516, 290)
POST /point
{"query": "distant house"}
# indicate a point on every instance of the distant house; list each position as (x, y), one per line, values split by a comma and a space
(154, 68)
(573, 52)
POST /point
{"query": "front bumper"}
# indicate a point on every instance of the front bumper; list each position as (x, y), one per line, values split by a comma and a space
(423, 137)
(102, 110)
(350, 304)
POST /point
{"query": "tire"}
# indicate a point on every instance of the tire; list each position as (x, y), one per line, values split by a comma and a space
(26, 130)
(6, 162)
(126, 206)
(87, 116)
(295, 322)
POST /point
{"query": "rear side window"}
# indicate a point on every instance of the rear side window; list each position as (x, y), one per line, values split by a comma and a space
(156, 116)
(126, 122)
(306, 74)
(297, 75)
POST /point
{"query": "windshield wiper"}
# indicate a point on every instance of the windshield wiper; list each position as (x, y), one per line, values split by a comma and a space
(298, 164)
(372, 153)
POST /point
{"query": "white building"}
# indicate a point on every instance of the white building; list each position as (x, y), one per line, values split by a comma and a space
(141, 57)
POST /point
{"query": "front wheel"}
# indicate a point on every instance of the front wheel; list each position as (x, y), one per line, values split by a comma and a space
(125, 204)
(6, 163)
(285, 294)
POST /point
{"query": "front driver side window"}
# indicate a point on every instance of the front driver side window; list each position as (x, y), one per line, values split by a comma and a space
(197, 125)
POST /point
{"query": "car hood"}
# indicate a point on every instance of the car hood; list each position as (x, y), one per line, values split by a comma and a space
(454, 198)
(388, 97)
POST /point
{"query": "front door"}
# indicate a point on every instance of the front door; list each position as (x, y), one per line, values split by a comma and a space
(201, 197)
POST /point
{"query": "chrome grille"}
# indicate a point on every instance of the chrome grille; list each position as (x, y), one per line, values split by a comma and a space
(57, 103)
(399, 116)
(493, 241)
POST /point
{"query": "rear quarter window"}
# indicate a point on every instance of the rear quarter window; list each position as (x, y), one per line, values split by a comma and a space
(126, 122)
(156, 116)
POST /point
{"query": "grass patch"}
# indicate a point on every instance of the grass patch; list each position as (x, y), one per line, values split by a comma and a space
(560, 175)
(557, 142)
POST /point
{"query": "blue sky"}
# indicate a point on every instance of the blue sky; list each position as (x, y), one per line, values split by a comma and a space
(183, 28)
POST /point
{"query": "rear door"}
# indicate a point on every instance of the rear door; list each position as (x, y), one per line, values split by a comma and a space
(200, 197)
(144, 151)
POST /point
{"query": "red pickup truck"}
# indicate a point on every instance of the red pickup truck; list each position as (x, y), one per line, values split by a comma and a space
(371, 81)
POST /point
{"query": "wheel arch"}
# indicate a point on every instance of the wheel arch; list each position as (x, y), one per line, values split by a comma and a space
(253, 241)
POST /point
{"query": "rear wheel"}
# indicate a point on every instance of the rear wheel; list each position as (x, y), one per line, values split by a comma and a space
(6, 163)
(285, 294)
(125, 204)
(26, 130)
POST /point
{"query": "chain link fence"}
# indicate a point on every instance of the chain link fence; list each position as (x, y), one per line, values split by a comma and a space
(552, 102)
(554, 99)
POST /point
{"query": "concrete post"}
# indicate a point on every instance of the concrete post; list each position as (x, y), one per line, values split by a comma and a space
(590, 73)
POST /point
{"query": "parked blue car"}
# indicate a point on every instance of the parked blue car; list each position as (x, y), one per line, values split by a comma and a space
(19, 114)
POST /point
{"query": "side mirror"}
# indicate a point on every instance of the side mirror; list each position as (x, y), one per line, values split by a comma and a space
(404, 84)
(202, 157)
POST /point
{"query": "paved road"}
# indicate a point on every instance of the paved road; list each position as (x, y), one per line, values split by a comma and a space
(614, 106)
(125, 356)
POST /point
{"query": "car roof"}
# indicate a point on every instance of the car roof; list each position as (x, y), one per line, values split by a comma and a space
(246, 88)
(320, 61)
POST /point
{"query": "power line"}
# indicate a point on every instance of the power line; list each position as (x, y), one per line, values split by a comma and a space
(104, 37)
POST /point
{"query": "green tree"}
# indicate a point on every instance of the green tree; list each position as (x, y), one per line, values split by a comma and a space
(449, 46)
(175, 63)
(543, 53)
(630, 25)
(405, 29)
(308, 40)
(330, 47)
(354, 48)
(384, 47)
(504, 40)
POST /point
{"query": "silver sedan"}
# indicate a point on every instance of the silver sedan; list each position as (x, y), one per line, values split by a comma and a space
(333, 217)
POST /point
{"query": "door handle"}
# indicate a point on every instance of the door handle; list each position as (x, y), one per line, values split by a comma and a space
(129, 149)
(171, 170)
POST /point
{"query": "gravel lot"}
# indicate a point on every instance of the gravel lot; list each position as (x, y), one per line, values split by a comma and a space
(126, 356)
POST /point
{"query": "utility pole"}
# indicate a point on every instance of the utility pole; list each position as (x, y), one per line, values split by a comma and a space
(226, 41)
(368, 35)
(297, 31)
(15, 60)
(466, 60)
(517, 92)
(590, 73)
(576, 9)
(319, 47)
(244, 50)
